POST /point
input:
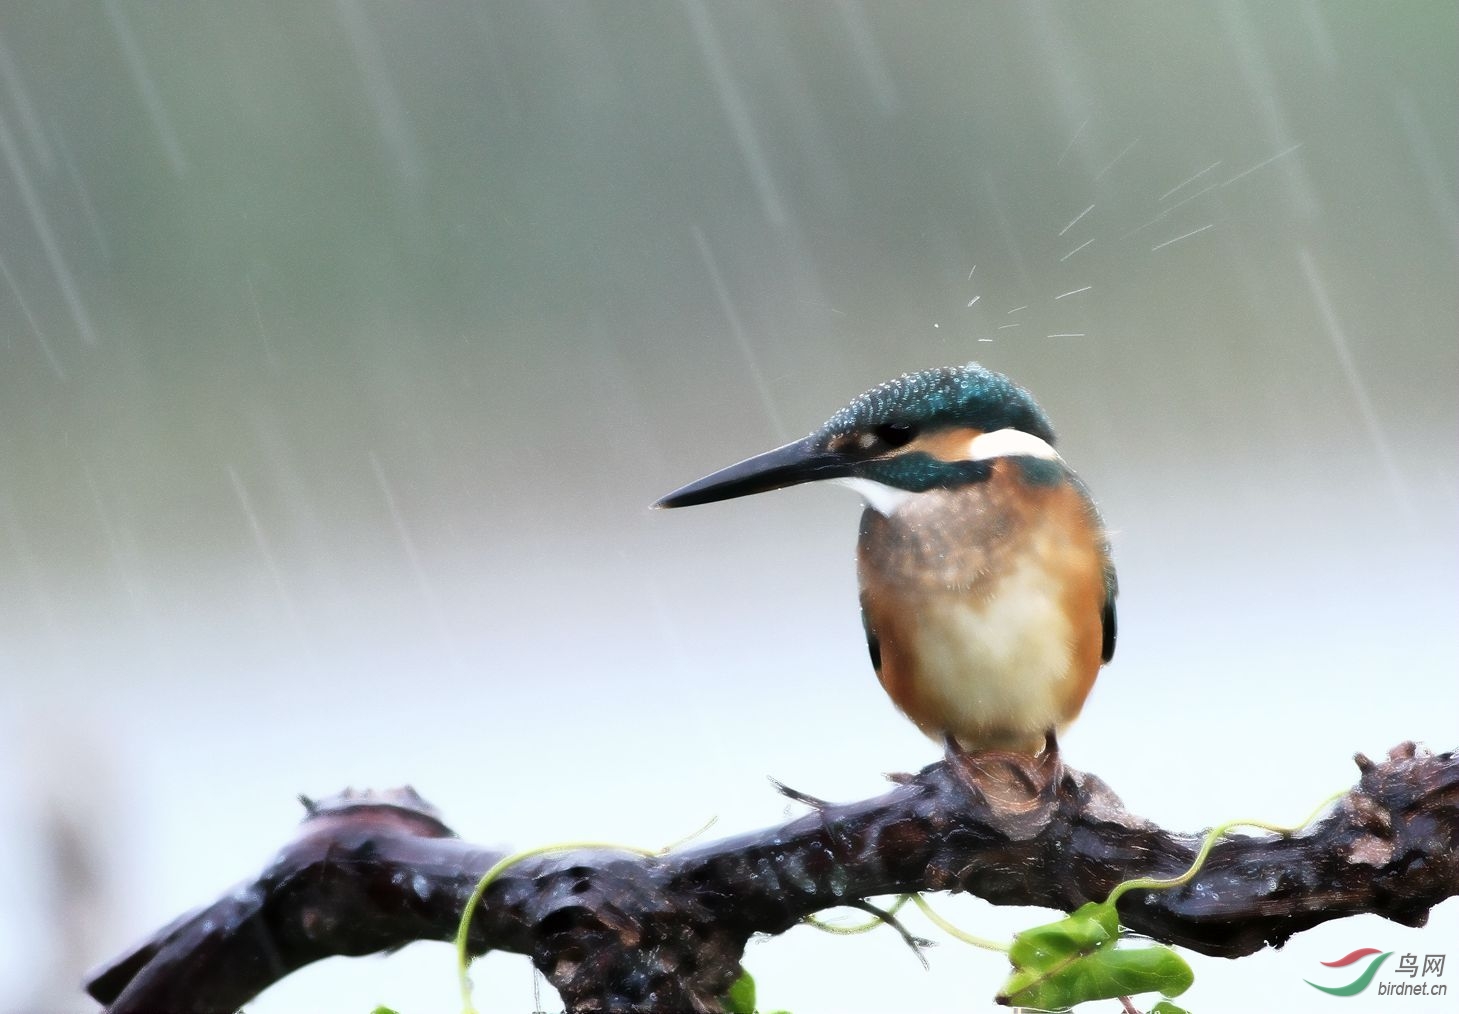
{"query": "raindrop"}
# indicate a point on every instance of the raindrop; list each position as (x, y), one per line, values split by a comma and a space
(1114, 161)
(270, 358)
(1189, 180)
(147, 88)
(389, 111)
(1187, 235)
(1339, 339)
(726, 304)
(412, 555)
(38, 220)
(1070, 146)
(1073, 222)
(260, 540)
(35, 328)
(794, 868)
(1071, 253)
(736, 111)
(839, 879)
(1261, 165)
(868, 55)
(1429, 163)
(1262, 88)
(83, 194)
(29, 123)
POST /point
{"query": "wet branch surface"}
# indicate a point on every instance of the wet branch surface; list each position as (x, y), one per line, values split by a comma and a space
(375, 871)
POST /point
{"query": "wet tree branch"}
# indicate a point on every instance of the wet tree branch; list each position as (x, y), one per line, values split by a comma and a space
(371, 872)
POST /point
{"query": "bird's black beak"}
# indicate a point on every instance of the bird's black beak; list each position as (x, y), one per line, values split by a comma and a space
(802, 461)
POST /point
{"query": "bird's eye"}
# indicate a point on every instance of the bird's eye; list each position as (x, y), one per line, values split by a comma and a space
(874, 441)
(895, 434)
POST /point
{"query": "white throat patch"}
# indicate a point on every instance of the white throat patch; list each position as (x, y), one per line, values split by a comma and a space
(879, 497)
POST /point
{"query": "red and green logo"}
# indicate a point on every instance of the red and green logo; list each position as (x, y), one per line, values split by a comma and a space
(1361, 982)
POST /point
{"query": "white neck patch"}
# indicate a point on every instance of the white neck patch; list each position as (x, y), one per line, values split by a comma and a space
(879, 497)
(1009, 443)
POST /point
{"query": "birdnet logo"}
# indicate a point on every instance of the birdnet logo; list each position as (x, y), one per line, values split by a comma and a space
(1365, 962)
(1364, 977)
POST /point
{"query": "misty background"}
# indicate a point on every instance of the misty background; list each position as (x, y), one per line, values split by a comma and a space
(344, 345)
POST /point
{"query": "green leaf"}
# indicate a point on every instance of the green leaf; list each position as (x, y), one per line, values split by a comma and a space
(1043, 952)
(1064, 963)
(382, 1009)
(741, 996)
(1086, 929)
(1166, 1007)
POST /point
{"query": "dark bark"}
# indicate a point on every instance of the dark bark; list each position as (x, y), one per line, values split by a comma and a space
(612, 931)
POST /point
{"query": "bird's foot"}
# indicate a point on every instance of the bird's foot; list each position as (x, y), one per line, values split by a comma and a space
(1035, 769)
(1050, 761)
(1018, 787)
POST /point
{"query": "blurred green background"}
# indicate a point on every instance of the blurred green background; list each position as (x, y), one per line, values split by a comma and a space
(343, 345)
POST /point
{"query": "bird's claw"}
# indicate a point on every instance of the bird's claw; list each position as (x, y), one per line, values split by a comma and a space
(1017, 789)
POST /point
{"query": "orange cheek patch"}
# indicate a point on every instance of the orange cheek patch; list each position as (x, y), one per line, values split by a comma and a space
(946, 445)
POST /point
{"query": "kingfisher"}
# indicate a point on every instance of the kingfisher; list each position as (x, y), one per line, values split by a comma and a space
(987, 588)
